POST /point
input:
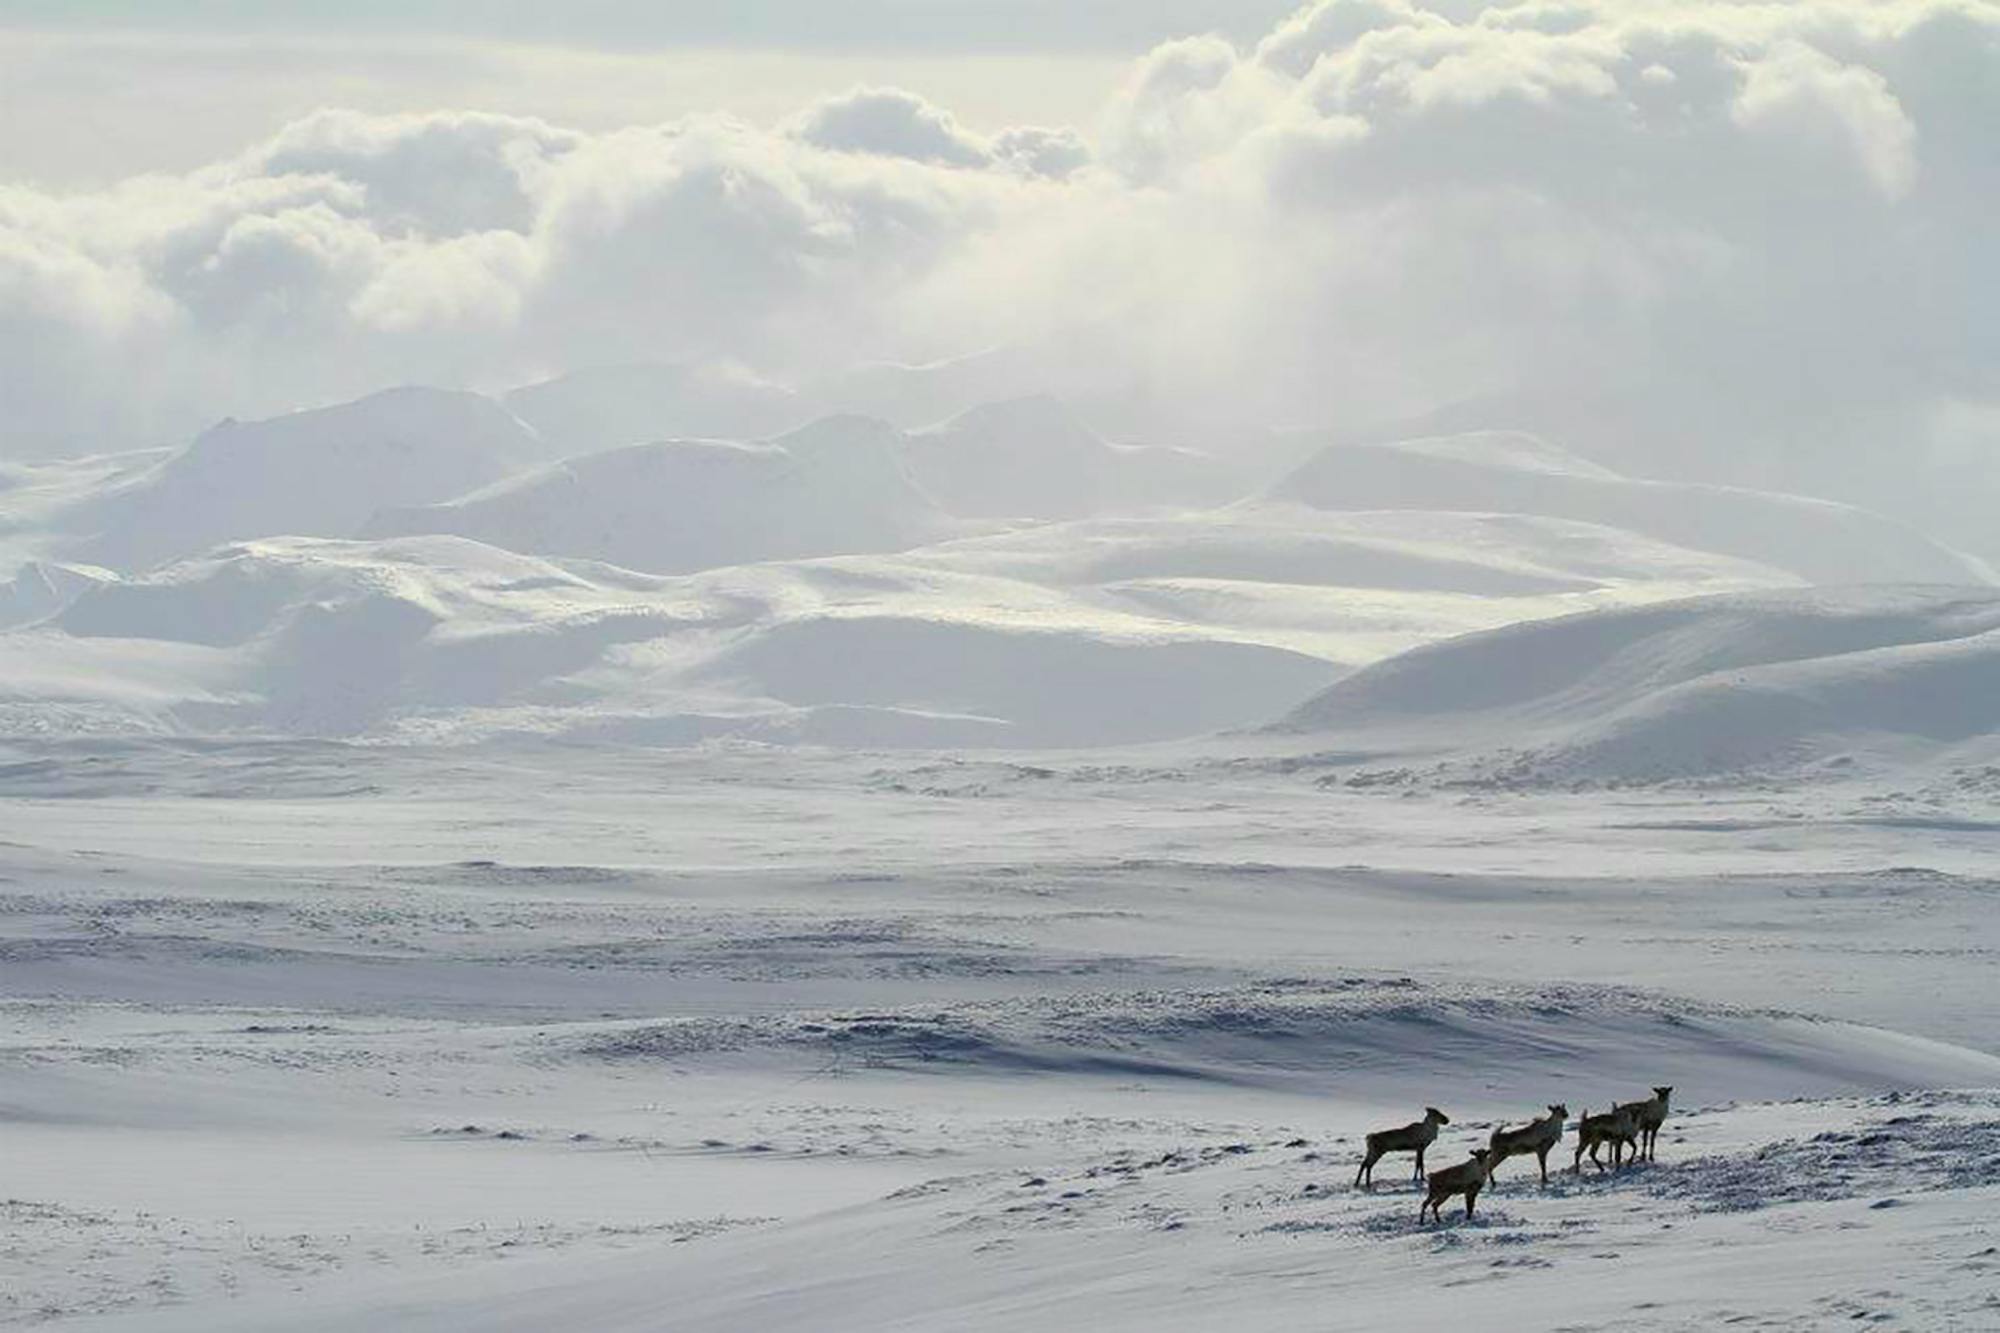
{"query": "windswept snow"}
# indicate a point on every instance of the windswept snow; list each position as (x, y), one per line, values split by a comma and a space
(494, 1037)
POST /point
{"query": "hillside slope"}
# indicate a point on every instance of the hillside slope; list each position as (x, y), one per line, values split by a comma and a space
(1707, 685)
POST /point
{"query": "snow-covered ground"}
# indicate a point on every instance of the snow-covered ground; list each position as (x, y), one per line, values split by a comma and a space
(863, 874)
(353, 1036)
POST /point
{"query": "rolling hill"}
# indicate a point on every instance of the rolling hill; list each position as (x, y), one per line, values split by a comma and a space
(1710, 685)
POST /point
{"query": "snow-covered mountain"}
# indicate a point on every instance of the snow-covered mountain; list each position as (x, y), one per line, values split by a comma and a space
(411, 565)
(319, 473)
(684, 505)
(838, 485)
(603, 407)
(1035, 458)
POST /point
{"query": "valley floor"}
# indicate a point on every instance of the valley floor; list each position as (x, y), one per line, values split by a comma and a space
(343, 1037)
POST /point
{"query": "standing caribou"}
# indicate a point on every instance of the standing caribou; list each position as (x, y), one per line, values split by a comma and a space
(1413, 1137)
(1537, 1137)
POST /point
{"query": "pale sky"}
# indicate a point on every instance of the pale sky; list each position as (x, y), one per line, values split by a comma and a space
(140, 85)
(85, 108)
(864, 26)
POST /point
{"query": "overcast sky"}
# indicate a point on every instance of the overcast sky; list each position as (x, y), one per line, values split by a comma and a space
(1746, 241)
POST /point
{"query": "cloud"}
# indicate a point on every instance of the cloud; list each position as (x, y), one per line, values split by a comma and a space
(353, 250)
(1802, 95)
(1316, 31)
(436, 175)
(892, 123)
(1709, 239)
(1038, 150)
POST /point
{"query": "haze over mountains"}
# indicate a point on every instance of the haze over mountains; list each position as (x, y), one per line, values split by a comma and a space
(431, 564)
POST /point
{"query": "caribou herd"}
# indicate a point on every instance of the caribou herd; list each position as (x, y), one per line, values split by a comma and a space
(1630, 1129)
